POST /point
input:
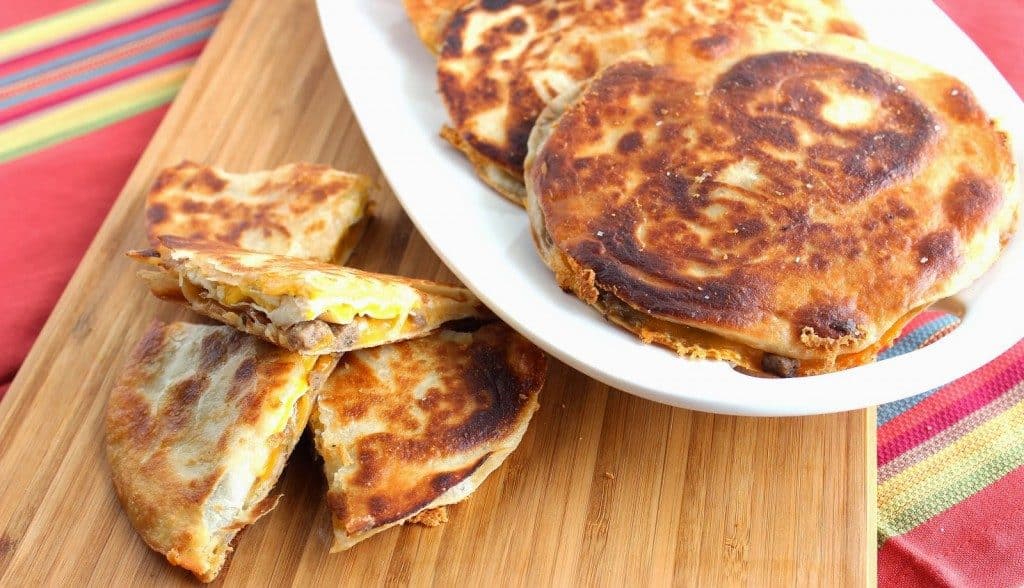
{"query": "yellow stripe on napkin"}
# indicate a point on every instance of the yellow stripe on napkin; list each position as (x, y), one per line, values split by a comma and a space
(71, 23)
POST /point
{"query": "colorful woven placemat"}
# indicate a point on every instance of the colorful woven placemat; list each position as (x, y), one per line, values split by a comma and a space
(950, 491)
(83, 86)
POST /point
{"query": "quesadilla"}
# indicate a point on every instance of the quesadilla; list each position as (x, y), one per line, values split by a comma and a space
(301, 209)
(301, 305)
(502, 62)
(430, 17)
(198, 429)
(786, 205)
(414, 426)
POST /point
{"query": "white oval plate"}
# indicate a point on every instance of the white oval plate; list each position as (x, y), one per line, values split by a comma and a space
(389, 79)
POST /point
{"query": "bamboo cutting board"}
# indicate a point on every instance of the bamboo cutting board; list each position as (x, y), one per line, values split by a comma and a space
(605, 489)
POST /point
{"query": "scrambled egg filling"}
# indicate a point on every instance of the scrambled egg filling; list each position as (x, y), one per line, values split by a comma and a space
(296, 396)
(329, 300)
(296, 390)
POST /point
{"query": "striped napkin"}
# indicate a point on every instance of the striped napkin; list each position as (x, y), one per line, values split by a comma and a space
(82, 89)
(93, 65)
(951, 474)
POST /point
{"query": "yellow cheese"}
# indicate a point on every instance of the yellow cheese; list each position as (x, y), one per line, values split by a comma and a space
(377, 331)
(340, 313)
(233, 295)
(336, 299)
(343, 314)
(298, 398)
(297, 386)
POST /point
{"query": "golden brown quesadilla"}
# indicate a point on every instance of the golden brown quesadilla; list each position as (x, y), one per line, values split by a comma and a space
(302, 305)
(786, 204)
(300, 209)
(503, 62)
(417, 425)
(198, 429)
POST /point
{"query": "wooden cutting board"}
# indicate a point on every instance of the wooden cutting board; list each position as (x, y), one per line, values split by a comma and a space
(606, 488)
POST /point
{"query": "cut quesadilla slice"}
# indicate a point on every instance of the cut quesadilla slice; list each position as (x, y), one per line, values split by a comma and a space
(198, 430)
(300, 209)
(417, 425)
(302, 305)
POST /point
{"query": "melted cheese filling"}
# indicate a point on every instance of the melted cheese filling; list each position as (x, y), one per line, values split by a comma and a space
(242, 488)
(341, 304)
(296, 397)
(353, 233)
(297, 388)
(700, 344)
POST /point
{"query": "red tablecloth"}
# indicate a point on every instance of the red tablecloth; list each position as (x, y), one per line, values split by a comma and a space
(83, 89)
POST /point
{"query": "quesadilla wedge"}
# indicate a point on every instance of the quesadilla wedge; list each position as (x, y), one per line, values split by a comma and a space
(302, 305)
(417, 425)
(198, 429)
(301, 209)
(786, 205)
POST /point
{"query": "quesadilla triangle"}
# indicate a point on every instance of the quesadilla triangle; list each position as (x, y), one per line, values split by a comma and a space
(301, 209)
(786, 204)
(302, 305)
(198, 429)
(418, 425)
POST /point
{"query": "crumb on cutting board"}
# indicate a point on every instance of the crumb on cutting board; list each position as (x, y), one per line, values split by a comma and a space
(431, 517)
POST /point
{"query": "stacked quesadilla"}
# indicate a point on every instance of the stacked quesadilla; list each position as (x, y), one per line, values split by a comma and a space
(787, 205)
(746, 181)
(204, 417)
(502, 63)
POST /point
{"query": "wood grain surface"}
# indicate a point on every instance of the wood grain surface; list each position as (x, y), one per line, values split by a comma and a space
(606, 488)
